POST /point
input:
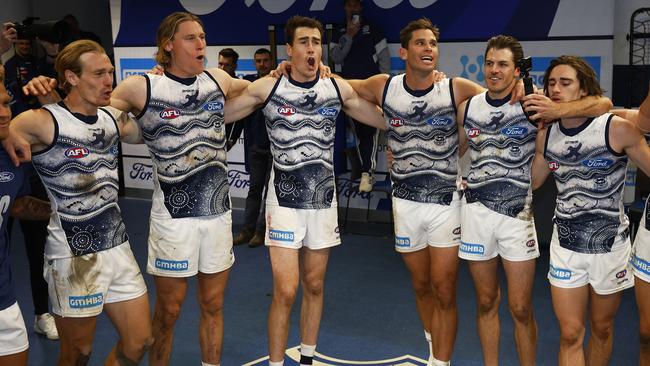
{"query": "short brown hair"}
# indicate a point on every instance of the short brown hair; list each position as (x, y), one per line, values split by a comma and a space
(166, 31)
(406, 33)
(502, 42)
(68, 59)
(586, 75)
(298, 21)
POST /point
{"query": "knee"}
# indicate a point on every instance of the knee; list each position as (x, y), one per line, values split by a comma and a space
(285, 294)
(168, 311)
(76, 354)
(571, 333)
(602, 329)
(135, 349)
(421, 287)
(211, 305)
(521, 312)
(488, 303)
(445, 293)
(313, 288)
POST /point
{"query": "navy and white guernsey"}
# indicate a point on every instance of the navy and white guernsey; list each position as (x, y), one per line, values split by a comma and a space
(301, 121)
(423, 136)
(79, 171)
(590, 177)
(501, 147)
(183, 126)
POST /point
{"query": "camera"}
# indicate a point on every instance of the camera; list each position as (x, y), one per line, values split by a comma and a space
(53, 31)
(525, 64)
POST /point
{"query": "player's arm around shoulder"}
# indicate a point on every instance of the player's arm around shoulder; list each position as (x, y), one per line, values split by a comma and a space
(465, 89)
(359, 108)
(626, 138)
(248, 99)
(34, 127)
(539, 169)
(370, 89)
(127, 126)
(460, 121)
(130, 95)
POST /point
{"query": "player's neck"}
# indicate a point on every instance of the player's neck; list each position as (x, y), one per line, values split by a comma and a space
(179, 72)
(501, 94)
(573, 122)
(77, 104)
(419, 80)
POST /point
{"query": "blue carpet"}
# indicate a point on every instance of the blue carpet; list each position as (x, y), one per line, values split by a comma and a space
(369, 312)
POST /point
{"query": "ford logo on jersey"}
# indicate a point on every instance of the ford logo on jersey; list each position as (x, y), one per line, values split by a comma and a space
(77, 152)
(6, 177)
(170, 113)
(213, 106)
(514, 131)
(287, 110)
(598, 163)
(439, 121)
(396, 122)
(328, 112)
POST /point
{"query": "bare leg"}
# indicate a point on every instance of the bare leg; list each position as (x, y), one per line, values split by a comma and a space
(488, 296)
(602, 311)
(520, 276)
(131, 319)
(570, 306)
(210, 296)
(170, 294)
(284, 263)
(444, 323)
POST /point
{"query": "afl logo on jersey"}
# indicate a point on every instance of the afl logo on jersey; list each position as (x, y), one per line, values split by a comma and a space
(77, 152)
(439, 121)
(6, 177)
(514, 131)
(597, 163)
(287, 110)
(553, 165)
(396, 122)
(328, 112)
(213, 106)
(621, 274)
(170, 113)
(473, 132)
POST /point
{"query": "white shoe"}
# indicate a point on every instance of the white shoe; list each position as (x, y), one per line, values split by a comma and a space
(365, 185)
(44, 324)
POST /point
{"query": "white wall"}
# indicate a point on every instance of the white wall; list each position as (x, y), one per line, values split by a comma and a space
(623, 10)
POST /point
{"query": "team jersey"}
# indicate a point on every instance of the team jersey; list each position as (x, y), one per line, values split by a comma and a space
(501, 143)
(647, 201)
(183, 126)
(423, 136)
(12, 185)
(79, 172)
(590, 177)
(301, 121)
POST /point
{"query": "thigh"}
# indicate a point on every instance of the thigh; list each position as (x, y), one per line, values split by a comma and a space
(485, 274)
(642, 292)
(76, 333)
(285, 266)
(409, 223)
(215, 248)
(521, 277)
(313, 265)
(419, 265)
(285, 227)
(170, 290)
(478, 242)
(212, 286)
(603, 308)
(570, 306)
(322, 228)
(13, 335)
(444, 265)
(131, 318)
(173, 247)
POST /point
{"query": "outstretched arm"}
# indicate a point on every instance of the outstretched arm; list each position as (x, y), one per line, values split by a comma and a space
(625, 137)
(127, 126)
(370, 89)
(30, 208)
(248, 100)
(640, 117)
(460, 121)
(547, 110)
(359, 108)
(539, 170)
(465, 89)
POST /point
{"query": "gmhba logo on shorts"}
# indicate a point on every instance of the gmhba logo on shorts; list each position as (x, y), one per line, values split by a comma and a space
(322, 360)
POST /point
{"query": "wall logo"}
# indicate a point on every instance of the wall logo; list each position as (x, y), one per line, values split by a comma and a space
(472, 70)
(238, 179)
(213, 106)
(170, 113)
(287, 110)
(169, 265)
(88, 301)
(320, 359)
(6, 177)
(597, 163)
(135, 66)
(77, 152)
(141, 171)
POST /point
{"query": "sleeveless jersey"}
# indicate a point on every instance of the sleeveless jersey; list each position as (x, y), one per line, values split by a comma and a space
(301, 121)
(79, 172)
(183, 127)
(501, 147)
(590, 178)
(423, 136)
